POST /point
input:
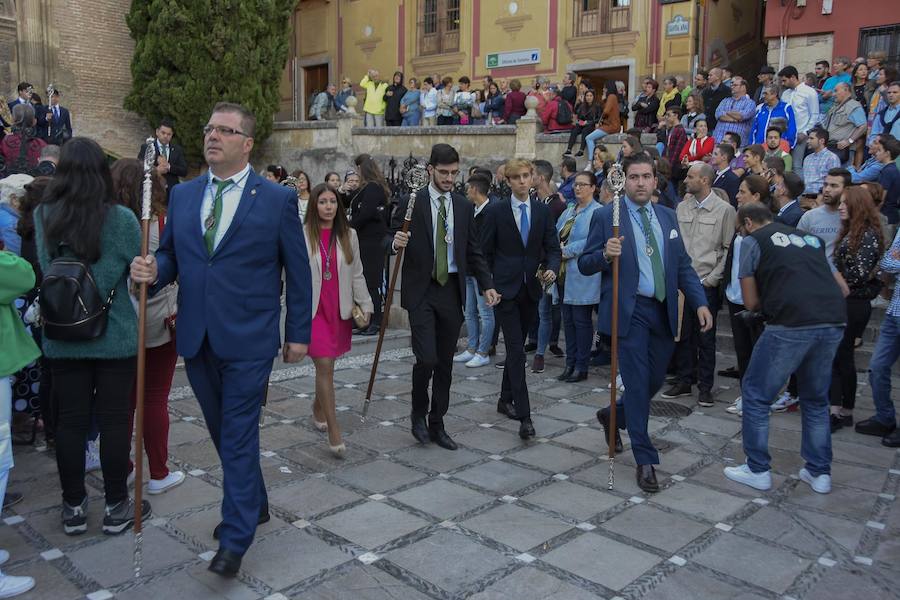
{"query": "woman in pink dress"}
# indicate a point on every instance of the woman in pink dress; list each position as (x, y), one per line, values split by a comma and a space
(338, 284)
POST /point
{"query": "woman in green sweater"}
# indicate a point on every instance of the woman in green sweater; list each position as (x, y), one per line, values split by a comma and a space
(16, 278)
(79, 218)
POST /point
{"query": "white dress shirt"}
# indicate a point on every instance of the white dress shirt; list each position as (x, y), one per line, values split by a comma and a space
(435, 195)
(805, 102)
(230, 200)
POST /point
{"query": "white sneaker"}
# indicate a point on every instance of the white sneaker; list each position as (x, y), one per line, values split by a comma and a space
(743, 474)
(463, 357)
(737, 408)
(820, 484)
(13, 586)
(92, 456)
(4, 556)
(619, 384)
(158, 486)
(784, 402)
(479, 360)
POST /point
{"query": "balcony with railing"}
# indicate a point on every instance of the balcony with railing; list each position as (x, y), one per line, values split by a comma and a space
(604, 16)
(599, 26)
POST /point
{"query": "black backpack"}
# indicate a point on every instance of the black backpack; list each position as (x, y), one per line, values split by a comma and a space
(564, 113)
(71, 307)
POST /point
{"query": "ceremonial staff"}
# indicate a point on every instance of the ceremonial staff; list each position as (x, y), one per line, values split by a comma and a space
(616, 178)
(149, 162)
(416, 179)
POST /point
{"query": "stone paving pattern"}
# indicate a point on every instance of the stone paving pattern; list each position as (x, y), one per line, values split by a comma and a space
(500, 518)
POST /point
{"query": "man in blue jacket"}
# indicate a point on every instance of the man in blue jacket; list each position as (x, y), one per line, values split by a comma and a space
(230, 234)
(773, 108)
(653, 267)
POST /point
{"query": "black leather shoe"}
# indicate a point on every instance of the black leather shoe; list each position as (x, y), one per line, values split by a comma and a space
(576, 377)
(420, 430)
(506, 408)
(873, 426)
(731, 372)
(371, 330)
(556, 351)
(646, 479)
(891, 440)
(439, 436)
(225, 563)
(604, 421)
(526, 429)
(264, 517)
(566, 374)
(530, 347)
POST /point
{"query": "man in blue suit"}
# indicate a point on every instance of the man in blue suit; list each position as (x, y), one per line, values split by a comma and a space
(230, 234)
(653, 267)
(58, 126)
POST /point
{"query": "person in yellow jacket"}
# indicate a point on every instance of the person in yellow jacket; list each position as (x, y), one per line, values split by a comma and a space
(374, 104)
(18, 350)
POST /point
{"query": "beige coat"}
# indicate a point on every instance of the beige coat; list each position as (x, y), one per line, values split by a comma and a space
(350, 279)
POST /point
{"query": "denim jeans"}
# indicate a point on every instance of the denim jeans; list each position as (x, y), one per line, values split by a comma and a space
(579, 335)
(777, 354)
(549, 320)
(411, 119)
(479, 319)
(887, 350)
(591, 139)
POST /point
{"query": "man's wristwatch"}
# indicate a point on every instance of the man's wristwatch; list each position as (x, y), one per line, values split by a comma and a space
(850, 141)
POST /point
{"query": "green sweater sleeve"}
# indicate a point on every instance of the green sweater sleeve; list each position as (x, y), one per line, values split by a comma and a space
(19, 349)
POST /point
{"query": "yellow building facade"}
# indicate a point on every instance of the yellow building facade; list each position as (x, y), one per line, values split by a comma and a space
(599, 39)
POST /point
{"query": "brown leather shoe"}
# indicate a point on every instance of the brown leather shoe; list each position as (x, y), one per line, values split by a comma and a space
(646, 478)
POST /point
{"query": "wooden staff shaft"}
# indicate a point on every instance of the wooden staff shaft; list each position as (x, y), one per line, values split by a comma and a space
(614, 350)
(141, 384)
(385, 313)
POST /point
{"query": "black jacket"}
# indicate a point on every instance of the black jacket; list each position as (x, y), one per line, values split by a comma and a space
(711, 100)
(392, 102)
(418, 258)
(511, 262)
(177, 163)
(729, 182)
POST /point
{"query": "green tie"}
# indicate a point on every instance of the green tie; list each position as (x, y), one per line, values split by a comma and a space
(441, 272)
(659, 275)
(215, 215)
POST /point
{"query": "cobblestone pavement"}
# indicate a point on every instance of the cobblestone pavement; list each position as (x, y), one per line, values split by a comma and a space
(499, 518)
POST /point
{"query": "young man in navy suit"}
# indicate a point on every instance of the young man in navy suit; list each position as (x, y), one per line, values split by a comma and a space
(725, 178)
(518, 237)
(653, 267)
(230, 234)
(59, 121)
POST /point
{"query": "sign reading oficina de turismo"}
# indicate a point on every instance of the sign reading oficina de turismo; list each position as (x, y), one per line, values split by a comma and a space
(496, 60)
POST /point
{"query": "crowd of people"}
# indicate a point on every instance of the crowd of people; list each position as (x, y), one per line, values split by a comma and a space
(779, 206)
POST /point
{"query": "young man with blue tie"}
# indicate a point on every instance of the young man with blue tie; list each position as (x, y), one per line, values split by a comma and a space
(518, 237)
(229, 237)
(653, 267)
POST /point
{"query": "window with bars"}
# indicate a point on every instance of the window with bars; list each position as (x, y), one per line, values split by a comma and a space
(886, 38)
(438, 26)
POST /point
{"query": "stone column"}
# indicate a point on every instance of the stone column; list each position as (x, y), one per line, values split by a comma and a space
(32, 22)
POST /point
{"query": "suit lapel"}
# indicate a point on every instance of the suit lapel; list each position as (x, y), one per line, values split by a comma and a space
(459, 218)
(507, 212)
(423, 208)
(243, 208)
(627, 231)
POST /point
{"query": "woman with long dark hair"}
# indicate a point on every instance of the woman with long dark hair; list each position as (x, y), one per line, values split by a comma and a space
(338, 284)
(162, 308)
(857, 252)
(367, 217)
(587, 113)
(79, 219)
(610, 120)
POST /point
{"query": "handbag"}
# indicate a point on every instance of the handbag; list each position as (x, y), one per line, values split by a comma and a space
(359, 317)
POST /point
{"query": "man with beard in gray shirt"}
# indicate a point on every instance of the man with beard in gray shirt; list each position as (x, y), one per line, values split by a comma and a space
(825, 221)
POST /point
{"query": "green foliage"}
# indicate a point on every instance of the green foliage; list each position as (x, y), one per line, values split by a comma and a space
(191, 54)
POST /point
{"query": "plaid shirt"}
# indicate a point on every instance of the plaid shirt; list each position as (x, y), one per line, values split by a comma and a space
(890, 263)
(743, 105)
(815, 167)
(676, 140)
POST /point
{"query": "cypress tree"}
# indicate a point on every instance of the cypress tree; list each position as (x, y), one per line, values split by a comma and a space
(191, 54)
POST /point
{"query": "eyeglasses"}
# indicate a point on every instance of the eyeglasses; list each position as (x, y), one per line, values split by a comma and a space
(221, 130)
(579, 184)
